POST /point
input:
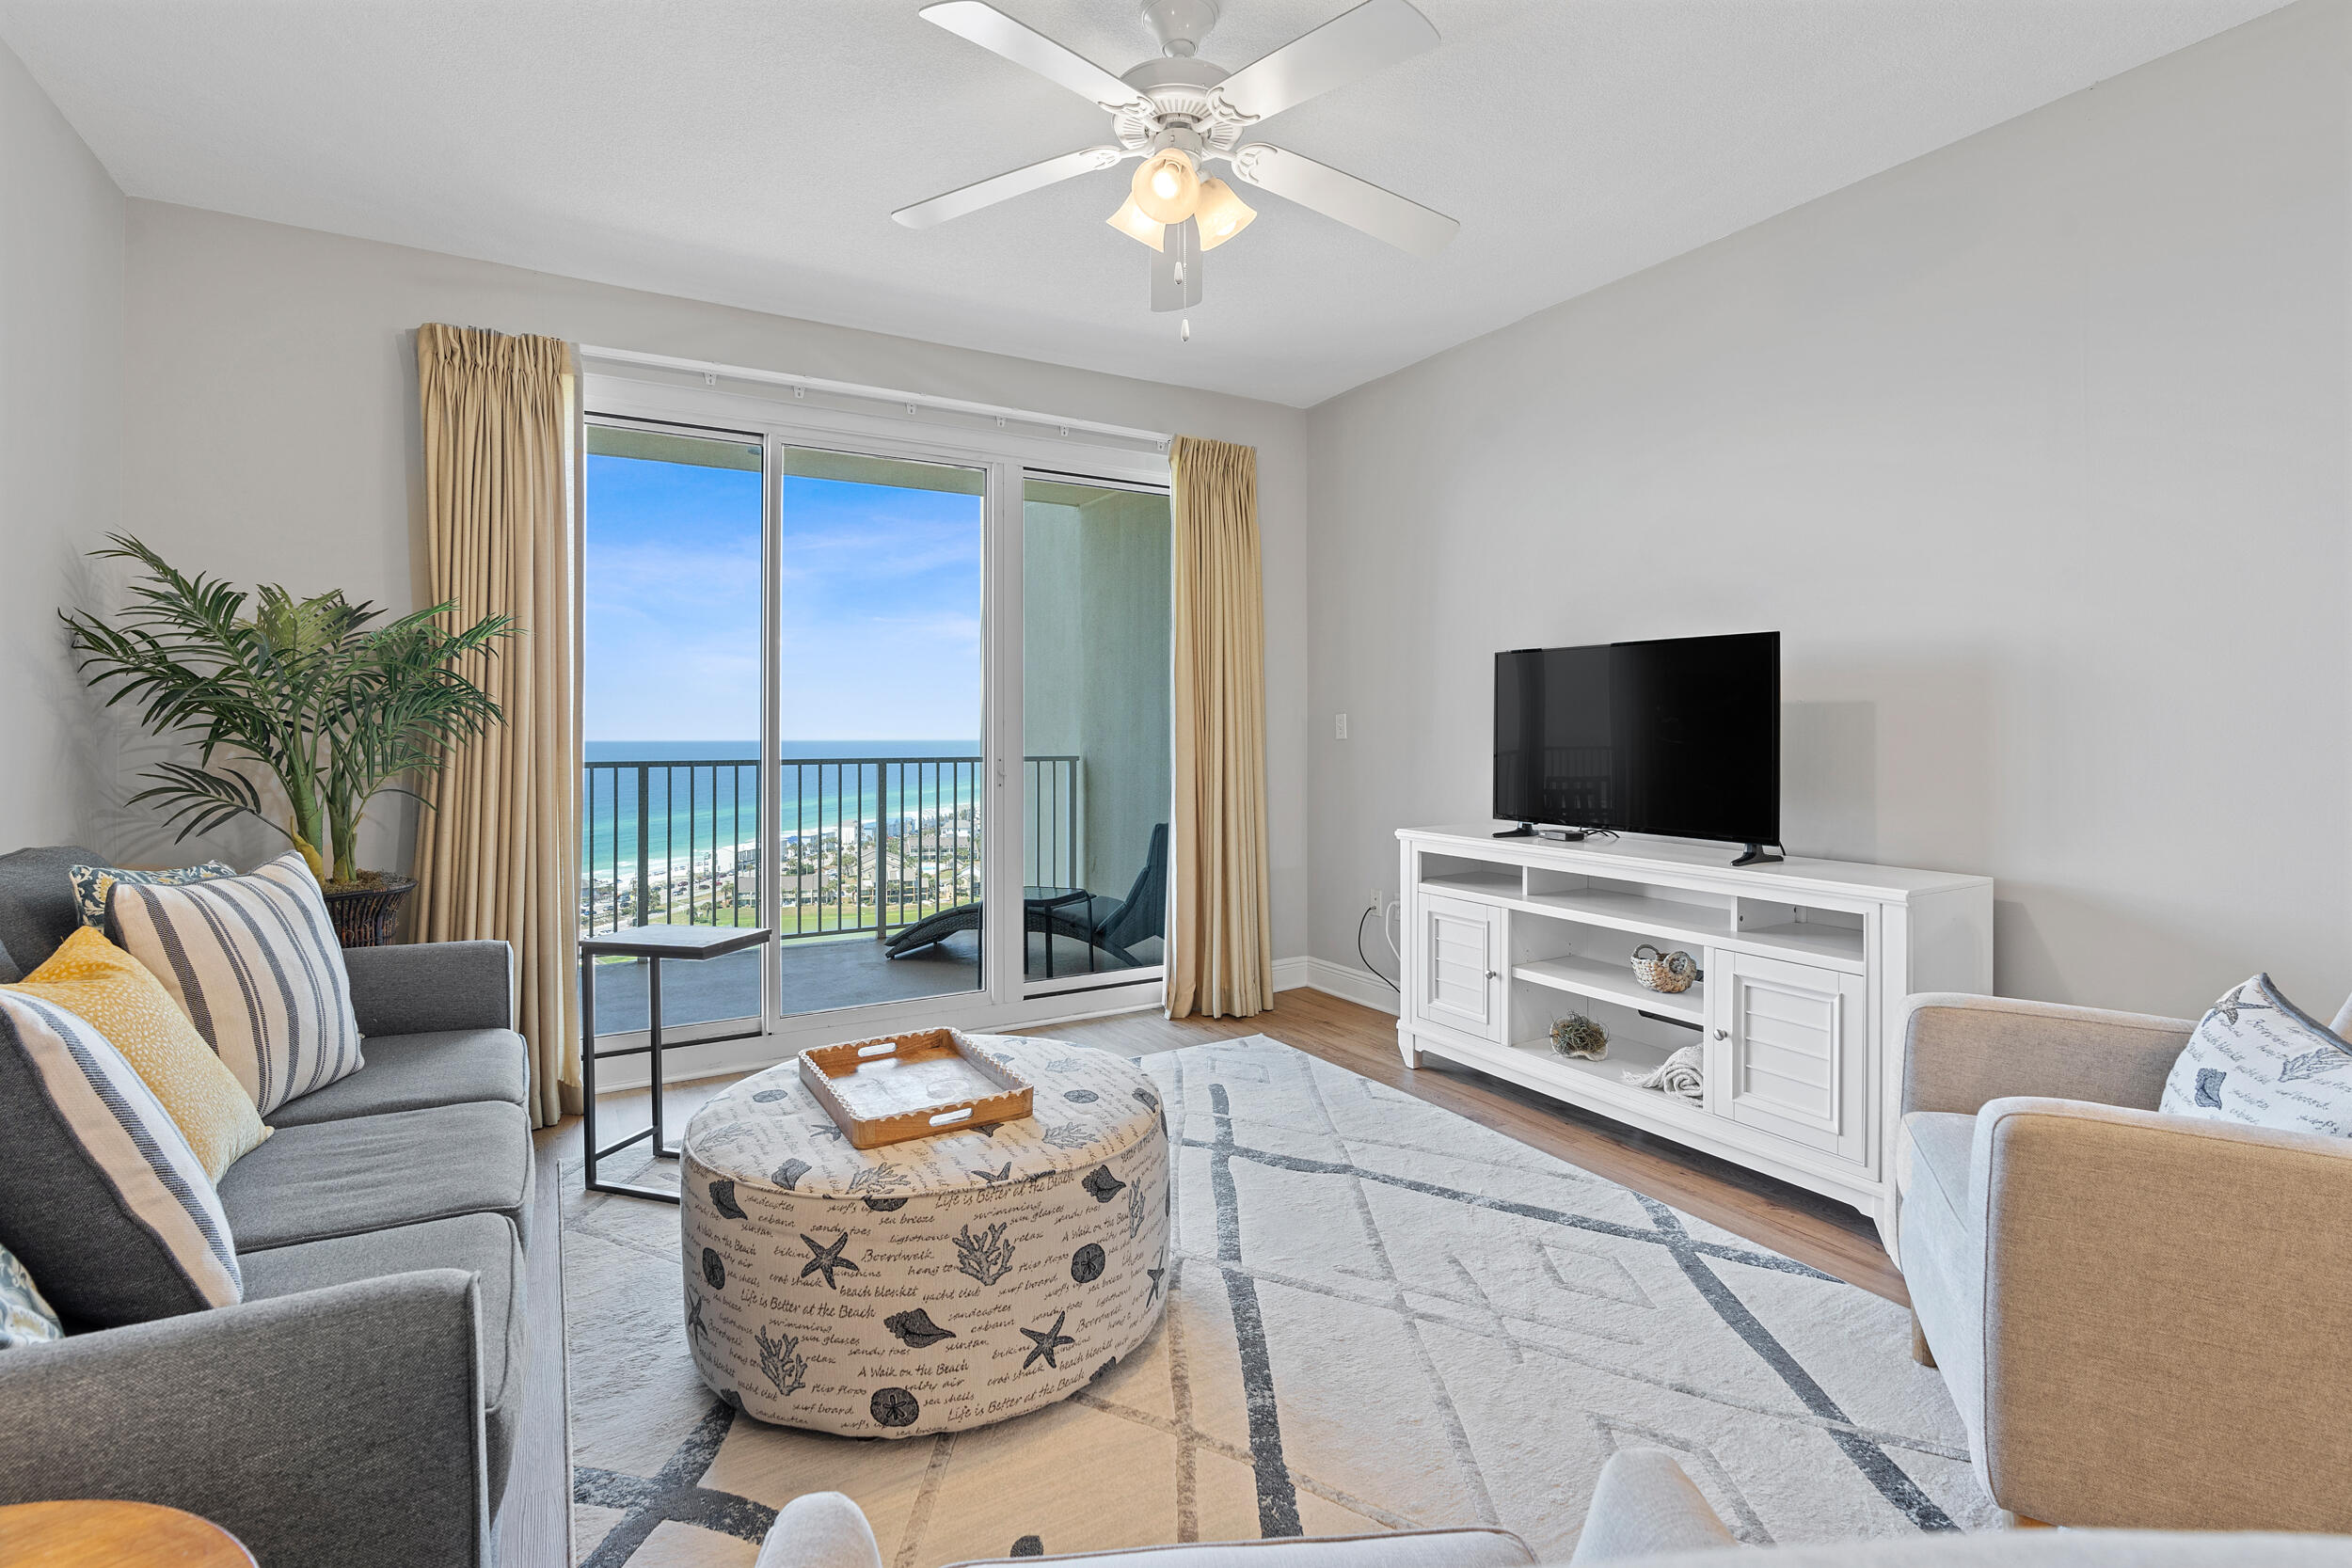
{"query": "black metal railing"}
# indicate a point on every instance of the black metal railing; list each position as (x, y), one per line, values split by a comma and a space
(867, 844)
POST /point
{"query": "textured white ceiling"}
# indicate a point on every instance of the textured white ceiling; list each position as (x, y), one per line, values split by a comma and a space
(750, 151)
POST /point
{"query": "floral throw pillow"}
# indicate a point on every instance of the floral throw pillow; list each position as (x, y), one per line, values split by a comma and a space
(2257, 1058)
(92, 883)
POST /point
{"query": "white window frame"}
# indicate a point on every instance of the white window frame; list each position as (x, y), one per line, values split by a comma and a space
(695, 398)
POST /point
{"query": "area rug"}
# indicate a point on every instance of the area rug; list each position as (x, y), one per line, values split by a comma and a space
(1381, 1316)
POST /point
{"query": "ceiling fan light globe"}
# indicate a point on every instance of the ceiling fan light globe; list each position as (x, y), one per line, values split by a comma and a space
(1130, 221)
(1221, 214)
(1165, 188)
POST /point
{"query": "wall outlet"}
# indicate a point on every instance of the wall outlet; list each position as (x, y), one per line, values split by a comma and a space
(1338, 726)
(1379, 898)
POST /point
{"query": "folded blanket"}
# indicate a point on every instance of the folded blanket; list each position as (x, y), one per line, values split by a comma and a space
(1682, 1074)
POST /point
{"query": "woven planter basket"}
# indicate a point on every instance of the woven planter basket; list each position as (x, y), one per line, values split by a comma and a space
(1671, 972)
(365, 916)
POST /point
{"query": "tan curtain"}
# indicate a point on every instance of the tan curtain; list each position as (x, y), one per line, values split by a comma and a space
(498, 852)
(1220, 947)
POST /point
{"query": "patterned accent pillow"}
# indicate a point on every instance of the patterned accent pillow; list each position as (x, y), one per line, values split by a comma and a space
(107, 989)
(103, 1199)
(24, 1318)
(92, 883)
(2259, 1059)
(254, 963)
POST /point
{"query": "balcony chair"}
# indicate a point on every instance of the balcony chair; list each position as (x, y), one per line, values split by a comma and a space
(2135, 1313)
(1112, 926)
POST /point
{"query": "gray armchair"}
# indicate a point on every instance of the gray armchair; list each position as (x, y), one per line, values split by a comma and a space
(2138, 1315)
(1645, 1513)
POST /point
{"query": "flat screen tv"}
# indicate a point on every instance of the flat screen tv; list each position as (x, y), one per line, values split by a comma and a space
(1678, 736)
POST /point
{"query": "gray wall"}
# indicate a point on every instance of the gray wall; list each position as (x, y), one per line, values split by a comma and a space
(61, 443)
(276, 410)
(2035, 450)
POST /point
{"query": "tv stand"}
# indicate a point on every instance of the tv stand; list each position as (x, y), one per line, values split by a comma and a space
(1798, 1014)
(1525, 830)
(1755, 856)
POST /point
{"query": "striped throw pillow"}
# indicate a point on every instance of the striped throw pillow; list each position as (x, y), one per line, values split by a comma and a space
(104, 1203)
(254, 962)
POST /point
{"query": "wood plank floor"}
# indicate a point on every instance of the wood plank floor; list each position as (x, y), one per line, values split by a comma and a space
(534, 1529)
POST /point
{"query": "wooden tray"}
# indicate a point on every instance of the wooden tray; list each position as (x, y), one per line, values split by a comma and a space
(901, 1086)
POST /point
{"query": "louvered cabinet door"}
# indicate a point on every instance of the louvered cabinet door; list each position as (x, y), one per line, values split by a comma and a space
(1460, 982)
(1790, 1053)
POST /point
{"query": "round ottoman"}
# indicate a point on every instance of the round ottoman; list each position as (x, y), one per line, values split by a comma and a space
(932, 1285)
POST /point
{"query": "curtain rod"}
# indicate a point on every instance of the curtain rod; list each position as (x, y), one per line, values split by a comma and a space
(591, 356)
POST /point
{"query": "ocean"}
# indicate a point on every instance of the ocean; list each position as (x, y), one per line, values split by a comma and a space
(703, 795)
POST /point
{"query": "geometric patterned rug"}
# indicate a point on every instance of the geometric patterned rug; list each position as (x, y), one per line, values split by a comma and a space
(1381, 1316)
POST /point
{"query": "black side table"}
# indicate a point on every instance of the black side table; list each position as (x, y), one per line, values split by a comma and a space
(1041, 903)
(653, 943)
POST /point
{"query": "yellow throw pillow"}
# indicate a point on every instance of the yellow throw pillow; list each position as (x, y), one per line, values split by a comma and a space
(112, 992)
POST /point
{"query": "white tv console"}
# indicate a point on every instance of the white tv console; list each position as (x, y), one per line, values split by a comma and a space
(1805, 966)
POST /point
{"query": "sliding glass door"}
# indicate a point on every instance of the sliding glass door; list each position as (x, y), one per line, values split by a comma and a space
(1095, 558)
(674, 528)
(898, 695)
(879, 682)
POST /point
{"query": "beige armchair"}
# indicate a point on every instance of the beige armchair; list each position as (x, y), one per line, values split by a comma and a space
(2141, 1317)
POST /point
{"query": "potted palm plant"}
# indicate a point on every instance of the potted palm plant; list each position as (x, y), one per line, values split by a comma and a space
(332, 707)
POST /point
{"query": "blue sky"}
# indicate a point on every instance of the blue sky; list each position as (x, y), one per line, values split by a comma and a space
(880, 607)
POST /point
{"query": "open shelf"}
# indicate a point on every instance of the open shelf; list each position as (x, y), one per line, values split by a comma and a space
(1610, 983)
(1498, 885)
(1607, 1076)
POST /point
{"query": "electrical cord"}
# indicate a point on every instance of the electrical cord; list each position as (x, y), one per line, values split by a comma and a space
(1365, 959)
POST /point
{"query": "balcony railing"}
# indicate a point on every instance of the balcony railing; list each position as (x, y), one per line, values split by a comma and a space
(869, 843)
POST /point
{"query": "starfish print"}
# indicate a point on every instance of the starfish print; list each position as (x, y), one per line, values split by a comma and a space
(826, 1259)
(695, 1316)
(1043, 1344)
(1154, 1294)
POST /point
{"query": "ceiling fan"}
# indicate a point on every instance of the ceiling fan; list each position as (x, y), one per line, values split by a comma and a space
(1179, 112)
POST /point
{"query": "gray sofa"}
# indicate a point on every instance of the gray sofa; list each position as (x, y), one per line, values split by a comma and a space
(2135, 1313)
(1645, 1513)
(358, 1407)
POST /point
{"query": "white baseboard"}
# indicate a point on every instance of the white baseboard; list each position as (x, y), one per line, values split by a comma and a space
(1347, 983)
(1291, 973)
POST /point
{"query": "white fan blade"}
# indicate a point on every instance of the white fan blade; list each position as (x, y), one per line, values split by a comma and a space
(1019, 182)
(1383, 214)
(1354, 45)
(993, 31)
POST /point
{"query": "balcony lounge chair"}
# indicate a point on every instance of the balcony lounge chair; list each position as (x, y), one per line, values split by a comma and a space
(1114, 927)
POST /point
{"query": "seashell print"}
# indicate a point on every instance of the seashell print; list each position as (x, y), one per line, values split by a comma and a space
(1103, 1184)
(1086, 1264)
(780, 1363)
(1063, 1064)
(985, 1256)
(1151, 1101)
(723, 1200)
(915, 1329)
(893, 1407)
(714, 1269)
(1044, 1344)
(825, 1259)
(789, 1173)
(1080, 1097)
(769, 1096)
(1028, 1546)
(885, 1205)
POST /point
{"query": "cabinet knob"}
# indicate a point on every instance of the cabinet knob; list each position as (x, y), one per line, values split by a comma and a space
(1490, 974)
(1722, 1034)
